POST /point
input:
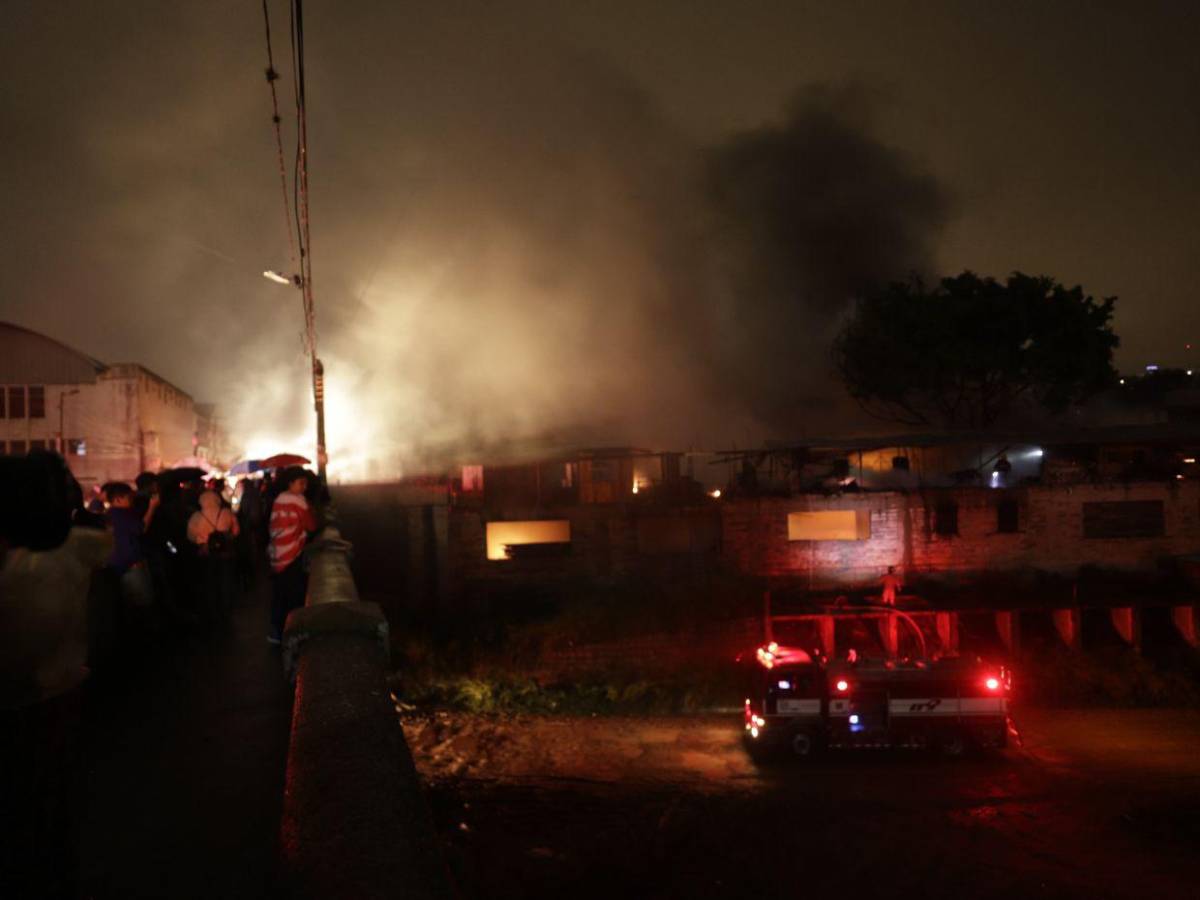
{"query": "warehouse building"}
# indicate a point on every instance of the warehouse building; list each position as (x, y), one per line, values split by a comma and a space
(109, 421)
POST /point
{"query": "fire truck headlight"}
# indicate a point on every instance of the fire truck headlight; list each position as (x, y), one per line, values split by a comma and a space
(785, 685)
(854, 719)
(842, 685)
(993, 684)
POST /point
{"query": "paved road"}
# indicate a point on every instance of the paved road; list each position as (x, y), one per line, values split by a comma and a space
(185, 753)
(1096, 804)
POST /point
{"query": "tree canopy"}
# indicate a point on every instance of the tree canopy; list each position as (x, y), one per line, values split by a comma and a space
(967, 351)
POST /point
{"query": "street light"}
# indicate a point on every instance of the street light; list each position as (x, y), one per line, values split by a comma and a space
(279, 278)
(318, 369)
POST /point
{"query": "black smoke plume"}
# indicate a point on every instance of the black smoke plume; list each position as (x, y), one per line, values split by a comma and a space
(808, 213)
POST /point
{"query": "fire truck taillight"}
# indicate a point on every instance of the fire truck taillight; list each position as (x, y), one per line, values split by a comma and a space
(842, 685)
(993, 684)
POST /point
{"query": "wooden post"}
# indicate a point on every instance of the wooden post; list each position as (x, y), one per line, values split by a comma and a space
(828, 643)
(1067, 623)
(947, 632)
(1009, 629)
(1184, 618)
(1127, 621)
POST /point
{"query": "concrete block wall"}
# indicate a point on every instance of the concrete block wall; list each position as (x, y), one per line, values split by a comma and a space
(1050, 534)
(603, 544)
(903, 532)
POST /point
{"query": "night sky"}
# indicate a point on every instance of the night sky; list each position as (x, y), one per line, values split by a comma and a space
(561, 215)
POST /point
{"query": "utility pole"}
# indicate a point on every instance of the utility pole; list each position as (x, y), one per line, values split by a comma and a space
(303, 278)
(310, 320)
(318, 370)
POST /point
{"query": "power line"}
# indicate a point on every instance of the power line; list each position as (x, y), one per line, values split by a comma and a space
(300, 197)
(272, 77)
(301, 179)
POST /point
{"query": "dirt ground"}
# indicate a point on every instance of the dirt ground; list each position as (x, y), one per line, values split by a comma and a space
(1095, 803)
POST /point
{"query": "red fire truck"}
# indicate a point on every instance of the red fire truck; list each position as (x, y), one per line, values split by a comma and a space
(805, 704)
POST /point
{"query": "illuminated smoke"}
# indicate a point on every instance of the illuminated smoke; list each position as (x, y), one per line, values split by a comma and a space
(512, 243)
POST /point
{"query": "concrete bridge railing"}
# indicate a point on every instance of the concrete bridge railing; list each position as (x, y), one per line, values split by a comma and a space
(355, 823)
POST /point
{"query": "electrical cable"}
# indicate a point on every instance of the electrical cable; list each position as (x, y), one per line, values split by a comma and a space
(300, 176)
(272, 77)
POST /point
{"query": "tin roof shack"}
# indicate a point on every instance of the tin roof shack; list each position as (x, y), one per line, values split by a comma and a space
(1131, 453)
(896, 462)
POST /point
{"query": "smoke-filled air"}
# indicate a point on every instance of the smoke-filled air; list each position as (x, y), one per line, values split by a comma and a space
(512, 243)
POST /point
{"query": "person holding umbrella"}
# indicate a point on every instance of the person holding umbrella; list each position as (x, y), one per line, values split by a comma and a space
(291, 521)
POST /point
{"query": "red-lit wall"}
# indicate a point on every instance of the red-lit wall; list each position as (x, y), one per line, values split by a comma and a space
(1049, 537)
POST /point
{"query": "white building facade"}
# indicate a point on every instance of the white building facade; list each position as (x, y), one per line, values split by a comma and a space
(109, 421)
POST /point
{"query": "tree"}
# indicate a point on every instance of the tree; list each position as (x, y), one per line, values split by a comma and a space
(967, 351)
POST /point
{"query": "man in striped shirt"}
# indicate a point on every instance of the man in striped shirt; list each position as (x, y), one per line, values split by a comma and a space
(291, 521)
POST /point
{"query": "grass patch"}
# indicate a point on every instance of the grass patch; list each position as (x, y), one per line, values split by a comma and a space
(509, 694)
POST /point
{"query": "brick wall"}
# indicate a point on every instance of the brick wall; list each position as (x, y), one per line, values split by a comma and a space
(904, 533)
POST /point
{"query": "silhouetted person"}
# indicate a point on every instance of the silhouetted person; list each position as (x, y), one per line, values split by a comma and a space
(291, 520)
(892, 586)
(46, 568)
(212, 530)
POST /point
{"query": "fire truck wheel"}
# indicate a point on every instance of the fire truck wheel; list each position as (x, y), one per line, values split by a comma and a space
(803, 744)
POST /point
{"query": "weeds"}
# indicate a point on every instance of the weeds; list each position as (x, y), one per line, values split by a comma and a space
(613, 696)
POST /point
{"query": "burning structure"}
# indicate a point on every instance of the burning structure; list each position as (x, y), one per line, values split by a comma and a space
(828, 516)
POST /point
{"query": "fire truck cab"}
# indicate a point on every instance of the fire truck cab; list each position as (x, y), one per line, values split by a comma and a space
(805, 704)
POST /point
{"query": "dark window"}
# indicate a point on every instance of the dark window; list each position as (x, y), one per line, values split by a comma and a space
(17, 448)
(1007, 518)
(841, 468)
(900, 463)
(945, 518)
(37, 445)
(16, 401)
(37, 401)
(1124, 519)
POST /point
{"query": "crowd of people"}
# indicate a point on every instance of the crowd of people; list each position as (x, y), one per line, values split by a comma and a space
(86, 579)
(185, 548)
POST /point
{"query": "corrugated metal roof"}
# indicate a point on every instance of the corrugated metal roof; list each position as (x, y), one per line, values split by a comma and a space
(27, 357)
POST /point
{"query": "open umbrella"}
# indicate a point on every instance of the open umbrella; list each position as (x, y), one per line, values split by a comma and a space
(279, 460)
(246, 466)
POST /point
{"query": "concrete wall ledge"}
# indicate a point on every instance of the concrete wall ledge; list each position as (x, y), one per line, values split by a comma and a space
(355, 823)
(357, 618)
